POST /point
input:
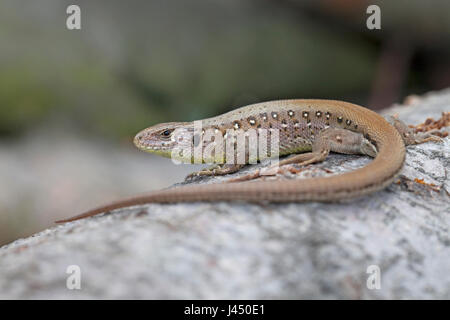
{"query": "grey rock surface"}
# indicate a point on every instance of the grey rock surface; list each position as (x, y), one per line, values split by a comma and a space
(247, 251)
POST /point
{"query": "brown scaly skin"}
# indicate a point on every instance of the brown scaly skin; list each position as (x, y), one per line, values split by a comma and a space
(318, 126)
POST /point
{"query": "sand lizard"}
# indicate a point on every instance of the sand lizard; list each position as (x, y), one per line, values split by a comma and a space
(308, 128)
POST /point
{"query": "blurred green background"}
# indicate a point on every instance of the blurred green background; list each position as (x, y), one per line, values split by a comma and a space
(72, 100)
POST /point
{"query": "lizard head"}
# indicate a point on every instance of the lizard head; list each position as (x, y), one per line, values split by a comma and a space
(162, 139)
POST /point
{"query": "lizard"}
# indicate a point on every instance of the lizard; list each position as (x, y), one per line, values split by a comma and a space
(308, 129)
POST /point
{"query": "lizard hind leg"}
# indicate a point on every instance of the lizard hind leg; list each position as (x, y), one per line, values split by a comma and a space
(331, 139)
(409, 136)
(336, 140)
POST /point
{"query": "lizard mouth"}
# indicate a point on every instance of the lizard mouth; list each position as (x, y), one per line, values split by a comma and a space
(161, 150)
(148, 147)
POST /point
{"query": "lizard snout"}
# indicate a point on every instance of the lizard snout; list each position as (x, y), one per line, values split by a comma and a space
(139, 139)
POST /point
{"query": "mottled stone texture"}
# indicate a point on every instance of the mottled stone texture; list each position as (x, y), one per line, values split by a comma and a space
(246, 251)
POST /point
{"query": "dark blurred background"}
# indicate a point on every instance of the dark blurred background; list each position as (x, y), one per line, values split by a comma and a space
(72, 100)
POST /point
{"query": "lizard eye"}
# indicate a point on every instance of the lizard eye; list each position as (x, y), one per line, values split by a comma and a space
(166, 133)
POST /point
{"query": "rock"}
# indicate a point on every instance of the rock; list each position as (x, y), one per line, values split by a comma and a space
(247, 251)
